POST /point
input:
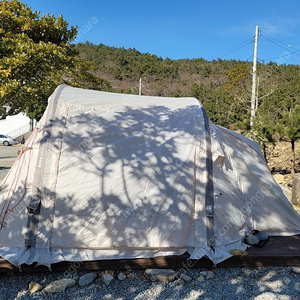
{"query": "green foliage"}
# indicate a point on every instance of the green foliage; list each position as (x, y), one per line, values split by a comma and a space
(288, 127)
(223, 87)
(36, 56)
(219, 85)
(239, 80)
(83, 76)
(33, 50)
(2, 112)
(127, 64)
(285, 99)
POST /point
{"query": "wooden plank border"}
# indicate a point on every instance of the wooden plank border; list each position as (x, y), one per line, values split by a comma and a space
(279, 251)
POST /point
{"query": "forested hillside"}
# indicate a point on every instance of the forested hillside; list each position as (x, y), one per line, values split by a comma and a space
(223, 86)
(37, 55)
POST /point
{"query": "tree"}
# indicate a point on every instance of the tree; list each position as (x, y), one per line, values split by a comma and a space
(288, 129)
(264, 130)
(239, 84)
(83, 77)
(276, 117)
(2, 112)
(34, 52)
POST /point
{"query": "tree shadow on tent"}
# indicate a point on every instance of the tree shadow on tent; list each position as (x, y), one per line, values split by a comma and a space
(125, 180)
(263, 205)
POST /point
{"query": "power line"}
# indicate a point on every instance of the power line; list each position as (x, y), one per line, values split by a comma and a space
(283, 47)
(273, 38)
(295, 52)
(261, 60)
(280, 44)
(289, 45)
(234, 49)
(252, 50)
(249, 58)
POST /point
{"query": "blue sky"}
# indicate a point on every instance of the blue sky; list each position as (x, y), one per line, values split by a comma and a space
(209, 29)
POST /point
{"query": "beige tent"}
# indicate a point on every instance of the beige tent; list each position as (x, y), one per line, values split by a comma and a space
(109, 176)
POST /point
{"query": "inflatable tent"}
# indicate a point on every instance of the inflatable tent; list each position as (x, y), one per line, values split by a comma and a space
(110, 176)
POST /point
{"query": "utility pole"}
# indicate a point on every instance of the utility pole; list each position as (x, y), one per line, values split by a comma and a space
(253, 96)
(256, 95)
(140, 87)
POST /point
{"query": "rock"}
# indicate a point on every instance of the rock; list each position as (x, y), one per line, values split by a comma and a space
(108, 279)
(238, 252)
(210, 275)
(201, 278)
(252, 239)
(185, 277)
(262, 236)
(111, 272)
(278, 178)
(87, 279)
(181, 282)
(161, 275)
(34, 287)
(296, 190)
(58, 286)
(286, 191)
(203, 273)
(296, 270)
(121, 276)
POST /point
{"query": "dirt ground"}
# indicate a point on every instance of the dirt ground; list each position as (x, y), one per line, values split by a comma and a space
(7, 157)
(279, 160)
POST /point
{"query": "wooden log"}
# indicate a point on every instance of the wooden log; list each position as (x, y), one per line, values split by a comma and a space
(278, 251)
(296, 191)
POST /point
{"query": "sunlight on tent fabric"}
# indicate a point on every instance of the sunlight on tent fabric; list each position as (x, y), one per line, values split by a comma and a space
(108, 178)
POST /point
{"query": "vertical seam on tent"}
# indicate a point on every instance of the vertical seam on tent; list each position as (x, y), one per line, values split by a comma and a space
(209, 197)
(33, 219)
(196, 166)
(56, 174)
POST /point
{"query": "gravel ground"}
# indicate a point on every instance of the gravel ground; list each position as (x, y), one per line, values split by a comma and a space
(234, 283)
(7, 157)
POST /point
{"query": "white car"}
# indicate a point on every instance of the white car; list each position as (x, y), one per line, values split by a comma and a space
(7, 140)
